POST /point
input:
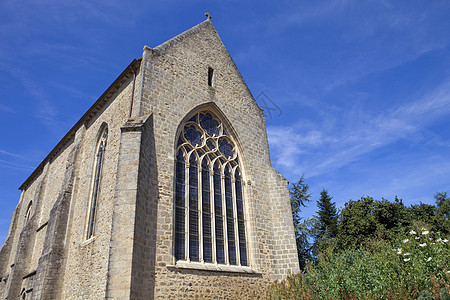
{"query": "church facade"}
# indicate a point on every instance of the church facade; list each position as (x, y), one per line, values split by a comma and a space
(163, 189)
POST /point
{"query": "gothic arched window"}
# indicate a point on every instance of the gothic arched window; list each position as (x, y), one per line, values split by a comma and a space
(28, 212)
(209, 211)
(96, 181)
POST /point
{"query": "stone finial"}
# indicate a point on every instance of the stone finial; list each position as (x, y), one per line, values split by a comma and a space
(208, 16)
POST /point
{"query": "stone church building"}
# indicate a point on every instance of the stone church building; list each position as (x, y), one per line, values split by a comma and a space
(163, 189)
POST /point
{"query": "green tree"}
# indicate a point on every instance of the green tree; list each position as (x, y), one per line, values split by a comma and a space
(392, 218)
(325, 226)
(424, 215)
(357, 223)
(442, 213)
(299, 197)
(367, 220)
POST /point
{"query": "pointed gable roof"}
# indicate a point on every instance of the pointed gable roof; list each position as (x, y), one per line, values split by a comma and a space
(207, 25)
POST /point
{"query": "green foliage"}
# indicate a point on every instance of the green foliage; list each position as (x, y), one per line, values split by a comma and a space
(377, 271)
(327, 216)
(442, 213)
(325, 224)
(367, 219)
(299, 196)
(357, 253)
(357, 223)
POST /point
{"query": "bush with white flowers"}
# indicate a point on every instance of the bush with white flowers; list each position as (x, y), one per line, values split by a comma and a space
(417, 268)
(424, 252)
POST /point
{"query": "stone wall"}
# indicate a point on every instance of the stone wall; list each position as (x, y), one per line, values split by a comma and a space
(54, 239)
(87, 260)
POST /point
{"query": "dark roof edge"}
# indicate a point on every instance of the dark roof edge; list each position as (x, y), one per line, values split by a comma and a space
(134, 65)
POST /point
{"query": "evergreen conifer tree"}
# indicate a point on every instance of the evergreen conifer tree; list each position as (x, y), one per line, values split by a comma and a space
(325, 225)
(299, 196)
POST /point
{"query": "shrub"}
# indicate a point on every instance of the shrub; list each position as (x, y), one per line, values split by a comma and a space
(416, 267)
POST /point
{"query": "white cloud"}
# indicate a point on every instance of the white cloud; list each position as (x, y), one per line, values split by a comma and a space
(10, 165)
(330, 145)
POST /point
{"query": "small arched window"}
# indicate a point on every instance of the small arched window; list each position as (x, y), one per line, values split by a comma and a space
(209, 210)
(28, 212)
(96, 182)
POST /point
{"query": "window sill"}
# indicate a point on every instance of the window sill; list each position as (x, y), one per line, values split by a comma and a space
(213, 267)
(87, 242)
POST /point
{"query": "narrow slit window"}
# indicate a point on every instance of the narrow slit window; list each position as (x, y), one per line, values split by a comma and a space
(28, 212)
(98, 167)
(210, 75)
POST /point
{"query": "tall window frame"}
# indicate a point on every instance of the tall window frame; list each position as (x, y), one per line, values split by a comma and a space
(97, 174)
(209, 214)
(28, 212)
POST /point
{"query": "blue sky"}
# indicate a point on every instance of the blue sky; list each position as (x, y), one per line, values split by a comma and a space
(357, 93)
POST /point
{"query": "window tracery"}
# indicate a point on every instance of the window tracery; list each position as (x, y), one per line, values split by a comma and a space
(209, 211)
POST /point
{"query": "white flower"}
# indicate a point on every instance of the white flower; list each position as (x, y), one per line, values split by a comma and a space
(417, 237)
(438, 240)
(412, 232)
(423, 245)
(429, 259)
(407, 259)
(399, 251)
(448, 272)
(425, 232)
(406, 254)
(405, 241)
(445, 240)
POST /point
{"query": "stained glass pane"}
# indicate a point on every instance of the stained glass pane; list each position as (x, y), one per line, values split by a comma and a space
(206, 211)
(210, 144)
(240, 219)
(193, 135)
(193, 210)
(220, 254)
(209, 124)
(179, 206)
(226, 148)
(230, 218)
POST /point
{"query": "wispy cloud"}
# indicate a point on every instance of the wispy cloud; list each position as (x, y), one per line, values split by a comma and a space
(21, 157)
(6, 108)
(10, 165)
(16, 161)
(45, 111)
(326, 147)
(366, 38)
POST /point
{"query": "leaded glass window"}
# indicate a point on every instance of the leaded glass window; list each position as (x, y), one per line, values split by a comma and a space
(209, 206)
(96, 181)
